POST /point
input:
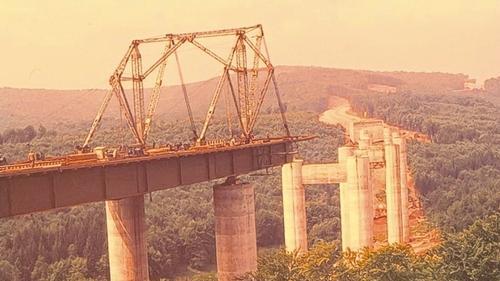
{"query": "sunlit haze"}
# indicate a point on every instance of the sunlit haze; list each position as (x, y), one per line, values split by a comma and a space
(77, 44)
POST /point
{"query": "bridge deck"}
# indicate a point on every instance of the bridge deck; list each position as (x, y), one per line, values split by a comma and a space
(34, 189)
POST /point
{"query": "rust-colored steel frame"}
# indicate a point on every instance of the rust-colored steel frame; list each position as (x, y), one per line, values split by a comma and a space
(248, 98)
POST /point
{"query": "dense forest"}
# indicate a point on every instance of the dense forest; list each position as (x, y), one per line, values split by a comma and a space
(70, 244)
(25, 135)
(302, 87)
(458, 175)
(492, 86)
(468, 255)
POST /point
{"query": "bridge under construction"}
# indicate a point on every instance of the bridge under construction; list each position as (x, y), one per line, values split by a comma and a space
(121, 174)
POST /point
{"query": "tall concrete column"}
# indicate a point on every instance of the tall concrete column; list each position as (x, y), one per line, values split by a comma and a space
(360, 202)
(364, 140)
(294, 207)
(128, 260)
(366, 187)
(235, 236)
(401, 143)
(365, 202)
(343, 153)
(392, 190)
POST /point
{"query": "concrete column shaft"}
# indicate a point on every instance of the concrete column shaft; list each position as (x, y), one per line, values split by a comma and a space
(359, 203)
(403, 167)
(235, 236)
(365, 202)
(393, 194)
(353, 207)
(364, 139)
(126, 227)
(345, 214)
(343, 153)
(294, 207)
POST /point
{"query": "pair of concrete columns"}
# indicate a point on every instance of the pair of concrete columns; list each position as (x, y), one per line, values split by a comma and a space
(354, 175)
(235, 235)
(235, 214)
(355, 201)
(355, 197)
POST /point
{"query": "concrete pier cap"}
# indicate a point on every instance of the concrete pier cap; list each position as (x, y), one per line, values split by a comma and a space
(364, 139)
(387, 135)
(344, 152)
(396, 135)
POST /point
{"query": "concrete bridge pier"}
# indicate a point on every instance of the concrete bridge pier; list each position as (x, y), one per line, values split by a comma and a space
(393, 190)
(294, 207)
(126, 227)
(364, 141)
(401, 144)
(343, 153)
(235, 235)
(359, 200)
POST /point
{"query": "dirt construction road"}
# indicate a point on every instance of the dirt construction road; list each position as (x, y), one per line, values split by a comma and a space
(339, 113)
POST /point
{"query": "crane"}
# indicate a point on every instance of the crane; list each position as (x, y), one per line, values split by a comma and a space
(247, 97)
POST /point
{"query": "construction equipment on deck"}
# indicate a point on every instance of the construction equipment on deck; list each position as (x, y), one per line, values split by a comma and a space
(247, 96)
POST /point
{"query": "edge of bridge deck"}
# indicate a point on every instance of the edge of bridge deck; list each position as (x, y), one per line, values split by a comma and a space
(41, 189)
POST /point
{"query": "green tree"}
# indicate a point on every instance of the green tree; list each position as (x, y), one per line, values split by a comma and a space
(391, 263)
(277, 266)
(68, 269)
(41, 131)
(9, 272)
(473, 254)
(40, 270)
(319, 263)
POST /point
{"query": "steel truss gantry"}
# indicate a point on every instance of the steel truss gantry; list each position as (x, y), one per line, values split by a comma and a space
(247, 95)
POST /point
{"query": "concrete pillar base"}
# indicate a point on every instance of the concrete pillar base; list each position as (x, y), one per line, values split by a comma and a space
(235, 236)
(128, 260)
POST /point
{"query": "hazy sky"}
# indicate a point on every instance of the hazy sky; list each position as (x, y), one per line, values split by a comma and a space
(76, 44)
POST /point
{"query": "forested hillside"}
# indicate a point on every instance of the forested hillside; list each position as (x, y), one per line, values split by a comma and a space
(458, 175)
(302, 88)
(492, 86)
(468, 255)
(459, 172)
(70, 244)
